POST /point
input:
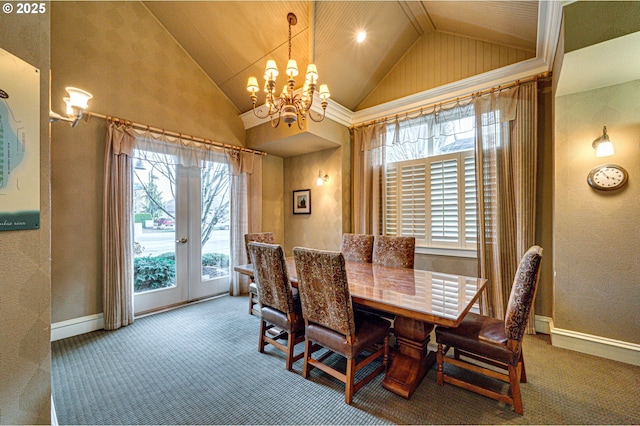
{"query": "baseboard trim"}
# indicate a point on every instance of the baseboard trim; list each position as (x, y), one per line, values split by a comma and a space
(603, 347)
(54, 416)
(73, 327)
(543, 324)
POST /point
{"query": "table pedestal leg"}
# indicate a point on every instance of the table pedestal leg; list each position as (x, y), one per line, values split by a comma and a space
(411, 363)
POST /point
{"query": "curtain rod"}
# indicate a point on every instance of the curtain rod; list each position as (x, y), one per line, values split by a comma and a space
(452, 100)
(139, 126)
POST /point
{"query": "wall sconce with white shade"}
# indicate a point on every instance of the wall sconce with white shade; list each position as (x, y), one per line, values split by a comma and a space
(603, 145)
(322, 179)
(77, 103)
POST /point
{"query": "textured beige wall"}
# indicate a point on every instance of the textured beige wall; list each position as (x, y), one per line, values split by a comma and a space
(25, 268)
(592, 22)
(437, 59)
(136, 71)
(272, 196)
(322, 229)
(597, 234)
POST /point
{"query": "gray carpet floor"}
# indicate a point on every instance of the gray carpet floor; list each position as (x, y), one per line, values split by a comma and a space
(199, 364)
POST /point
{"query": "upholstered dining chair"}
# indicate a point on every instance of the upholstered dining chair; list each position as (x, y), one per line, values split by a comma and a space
(260, 237)
(396, 252)
(331, 322)
(494, 342)
(278, 307)
(357, 247)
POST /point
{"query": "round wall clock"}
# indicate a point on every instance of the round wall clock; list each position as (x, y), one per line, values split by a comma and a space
(607, 177)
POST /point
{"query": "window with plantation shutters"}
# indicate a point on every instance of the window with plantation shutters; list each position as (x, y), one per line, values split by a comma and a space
(430, 179)
(433, 199)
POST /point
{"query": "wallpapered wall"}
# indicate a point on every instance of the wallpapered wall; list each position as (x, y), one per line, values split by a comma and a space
(322, 229)
(597, 234)
(25, 269)
(272, 196)
(137, 71)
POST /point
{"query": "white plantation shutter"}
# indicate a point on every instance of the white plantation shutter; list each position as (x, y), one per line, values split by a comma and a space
(391, 188)
(444, 201)
(412, 200)
(433, 199)
(470, 204)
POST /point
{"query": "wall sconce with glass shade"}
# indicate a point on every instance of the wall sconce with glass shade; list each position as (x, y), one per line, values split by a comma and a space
(322, 179)
(77, 103)
(602, 145)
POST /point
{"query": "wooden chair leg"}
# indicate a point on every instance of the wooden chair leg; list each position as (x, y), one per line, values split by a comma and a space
(350, 376)
(440, 359)
(263, 330)
(291, 338)
(514, 381)
(307, 355)
(523, 374)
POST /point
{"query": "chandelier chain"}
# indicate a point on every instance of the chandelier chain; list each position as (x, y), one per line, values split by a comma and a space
(289, 39)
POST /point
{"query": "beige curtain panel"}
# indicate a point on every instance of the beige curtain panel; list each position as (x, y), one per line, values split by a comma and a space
(506, 129)
(368, 178)
(117, 234)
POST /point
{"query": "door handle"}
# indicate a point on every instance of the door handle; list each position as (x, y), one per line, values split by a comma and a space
(182, 240)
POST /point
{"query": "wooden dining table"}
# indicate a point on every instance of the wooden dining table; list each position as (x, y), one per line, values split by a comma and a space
(418, 299)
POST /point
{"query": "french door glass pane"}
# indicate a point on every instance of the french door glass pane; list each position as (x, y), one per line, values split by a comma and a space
(154, 205)
(215, 226)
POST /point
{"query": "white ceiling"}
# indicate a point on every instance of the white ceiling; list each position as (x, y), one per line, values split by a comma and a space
(598, 60)
(232, 41)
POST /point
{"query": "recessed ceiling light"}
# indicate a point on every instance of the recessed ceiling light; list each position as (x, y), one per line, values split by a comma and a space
(361, 36)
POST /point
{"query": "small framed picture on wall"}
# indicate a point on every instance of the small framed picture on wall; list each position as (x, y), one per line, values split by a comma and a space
(302, 201)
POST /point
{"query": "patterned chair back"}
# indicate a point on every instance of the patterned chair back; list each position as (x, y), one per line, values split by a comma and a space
(260, 237)
(270, 275)
(357, 247)
(324, 291)
(522, 294)
(395, 252)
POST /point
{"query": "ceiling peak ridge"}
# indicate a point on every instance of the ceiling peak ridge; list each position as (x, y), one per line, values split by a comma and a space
(265, 56)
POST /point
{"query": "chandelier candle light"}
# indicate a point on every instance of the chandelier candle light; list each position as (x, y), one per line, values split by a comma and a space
(291, 107)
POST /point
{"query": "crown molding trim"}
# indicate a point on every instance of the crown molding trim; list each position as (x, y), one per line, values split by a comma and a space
(463, 87)
(549, 23)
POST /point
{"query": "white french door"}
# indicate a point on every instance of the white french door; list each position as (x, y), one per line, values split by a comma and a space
(181, 233)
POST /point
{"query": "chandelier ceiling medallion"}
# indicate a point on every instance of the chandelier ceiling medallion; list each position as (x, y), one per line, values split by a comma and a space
(291, 107)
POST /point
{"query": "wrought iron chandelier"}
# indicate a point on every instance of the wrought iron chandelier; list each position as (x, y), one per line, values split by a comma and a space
(291, 107)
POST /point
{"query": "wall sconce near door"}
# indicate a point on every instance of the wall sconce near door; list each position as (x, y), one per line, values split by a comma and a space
(77, 103)
(322, 179)
(603, 145)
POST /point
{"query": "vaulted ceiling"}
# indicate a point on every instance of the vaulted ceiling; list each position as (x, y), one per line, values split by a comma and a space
(232, 41)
